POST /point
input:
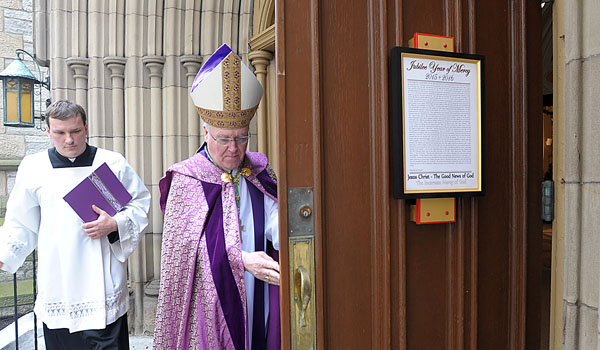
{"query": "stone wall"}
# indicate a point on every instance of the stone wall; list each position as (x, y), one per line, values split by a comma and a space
(16, 32)
(576, 229)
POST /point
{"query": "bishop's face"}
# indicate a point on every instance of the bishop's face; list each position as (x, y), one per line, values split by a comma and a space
(68, 135)
(227, 147)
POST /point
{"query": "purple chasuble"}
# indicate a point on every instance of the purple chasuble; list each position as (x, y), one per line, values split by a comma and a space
(202, 302)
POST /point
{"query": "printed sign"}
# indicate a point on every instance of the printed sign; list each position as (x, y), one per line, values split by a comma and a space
(437, 123)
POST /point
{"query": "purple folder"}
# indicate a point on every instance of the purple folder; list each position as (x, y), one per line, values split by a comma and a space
(101, 188)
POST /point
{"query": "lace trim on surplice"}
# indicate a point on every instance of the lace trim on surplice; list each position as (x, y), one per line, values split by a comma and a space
(83, 309)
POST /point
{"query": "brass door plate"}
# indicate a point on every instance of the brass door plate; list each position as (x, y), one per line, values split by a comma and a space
(302, 293)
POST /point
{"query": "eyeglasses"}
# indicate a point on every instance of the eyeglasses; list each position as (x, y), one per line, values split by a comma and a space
(224, 140)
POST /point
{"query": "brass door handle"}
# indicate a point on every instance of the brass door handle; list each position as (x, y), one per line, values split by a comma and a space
(303, 289)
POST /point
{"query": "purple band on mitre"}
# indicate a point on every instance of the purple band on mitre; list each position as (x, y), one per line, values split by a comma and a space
(213, 61)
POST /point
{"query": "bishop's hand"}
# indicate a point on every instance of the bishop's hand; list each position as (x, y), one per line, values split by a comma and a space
(261, 266)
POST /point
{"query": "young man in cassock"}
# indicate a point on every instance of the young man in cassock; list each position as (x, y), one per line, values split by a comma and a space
(219, 265)
(82, 279)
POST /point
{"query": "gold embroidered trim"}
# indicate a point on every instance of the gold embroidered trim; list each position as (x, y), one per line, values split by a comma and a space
(227, 119)
(232, 83)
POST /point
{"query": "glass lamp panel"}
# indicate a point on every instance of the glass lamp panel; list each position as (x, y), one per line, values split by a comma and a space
(26, 103)
(12, 105)
(11, 82)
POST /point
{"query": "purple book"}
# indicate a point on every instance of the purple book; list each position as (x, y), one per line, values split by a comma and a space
(101, 188)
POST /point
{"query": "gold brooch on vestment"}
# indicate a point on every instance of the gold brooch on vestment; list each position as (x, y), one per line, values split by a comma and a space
(226, 177)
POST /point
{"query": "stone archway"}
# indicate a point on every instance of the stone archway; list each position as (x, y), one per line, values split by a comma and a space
(263, 59)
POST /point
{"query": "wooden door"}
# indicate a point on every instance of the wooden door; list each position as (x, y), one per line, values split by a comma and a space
(380, 280)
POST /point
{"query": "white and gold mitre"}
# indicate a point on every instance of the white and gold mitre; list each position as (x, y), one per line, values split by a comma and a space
(226, 93)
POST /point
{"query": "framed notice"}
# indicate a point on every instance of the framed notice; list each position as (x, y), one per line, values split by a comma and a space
(437, 110)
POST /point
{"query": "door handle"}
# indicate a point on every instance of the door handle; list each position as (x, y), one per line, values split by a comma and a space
(302, 287)
(303, 290)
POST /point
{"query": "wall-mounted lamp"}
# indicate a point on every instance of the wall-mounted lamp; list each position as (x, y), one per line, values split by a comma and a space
(19, 92)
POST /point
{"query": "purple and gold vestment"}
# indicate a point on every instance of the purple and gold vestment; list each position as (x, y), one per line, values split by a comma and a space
(202, 302)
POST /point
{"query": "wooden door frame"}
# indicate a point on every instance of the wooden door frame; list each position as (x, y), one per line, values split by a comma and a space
(291, 148)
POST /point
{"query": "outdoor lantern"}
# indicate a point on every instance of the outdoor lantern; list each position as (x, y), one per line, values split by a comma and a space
(18, 92)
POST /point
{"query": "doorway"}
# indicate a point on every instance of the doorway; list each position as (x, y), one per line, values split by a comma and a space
(548, 183)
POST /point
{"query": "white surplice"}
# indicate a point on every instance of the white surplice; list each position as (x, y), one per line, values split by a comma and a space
(82, 283)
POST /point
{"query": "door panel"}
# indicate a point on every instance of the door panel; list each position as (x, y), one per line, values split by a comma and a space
(347, 212)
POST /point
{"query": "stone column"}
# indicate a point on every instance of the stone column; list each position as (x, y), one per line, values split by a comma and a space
(192, 64)
(40, 31)
(155, 65)
(171, 120)
(260, 60)
(116, 65)
(79, 66)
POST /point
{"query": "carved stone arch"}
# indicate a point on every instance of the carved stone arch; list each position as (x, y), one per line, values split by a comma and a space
(262, 46)
(267, 15)
(263, 37)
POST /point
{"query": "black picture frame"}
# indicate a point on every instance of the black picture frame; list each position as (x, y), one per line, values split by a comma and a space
(398, 130)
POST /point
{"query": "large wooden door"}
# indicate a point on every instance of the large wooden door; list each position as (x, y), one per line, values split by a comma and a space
(381, 281)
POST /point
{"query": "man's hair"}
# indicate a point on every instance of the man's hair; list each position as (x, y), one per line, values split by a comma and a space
(64, 109)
